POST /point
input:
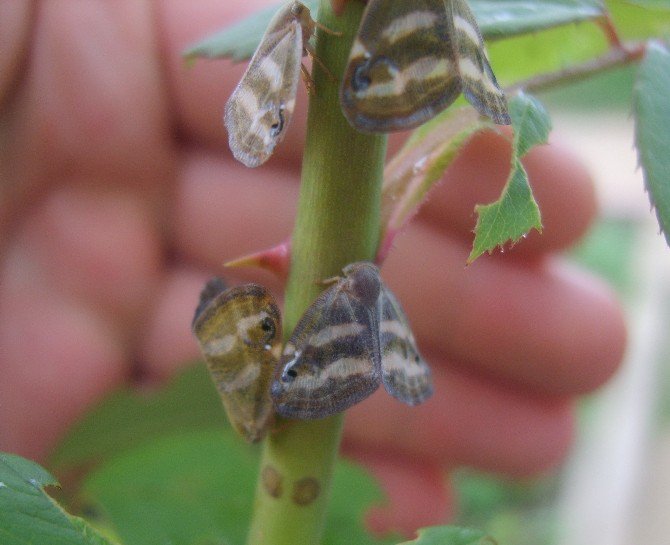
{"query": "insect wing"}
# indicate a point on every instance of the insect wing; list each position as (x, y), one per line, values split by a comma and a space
(477, 79)
(405, 374)
(239, 332)
(259, 111)
(332, 360)
(401, 70)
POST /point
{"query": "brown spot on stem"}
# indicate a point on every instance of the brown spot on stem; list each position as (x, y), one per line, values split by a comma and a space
(305, 491)
(272, 481)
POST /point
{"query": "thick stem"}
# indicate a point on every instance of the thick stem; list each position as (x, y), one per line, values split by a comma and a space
(337, 223)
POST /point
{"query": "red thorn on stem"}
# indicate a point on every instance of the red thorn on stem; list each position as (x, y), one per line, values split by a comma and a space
(276, 260)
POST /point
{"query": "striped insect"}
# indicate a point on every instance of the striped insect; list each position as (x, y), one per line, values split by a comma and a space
(352, 338)
(411, 60)
(239, 332)
(259, 111)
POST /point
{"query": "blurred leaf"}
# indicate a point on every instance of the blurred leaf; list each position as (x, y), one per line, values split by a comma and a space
(419, 165)
(521, 57)
(198, 488)
(642, 19)
(130, 417)
(515, 212)
(608, 251)
(654, 4)
(496, 18)
(605, 92)
(28, 515)
(503, 18)
(652, 129)
(450, 535)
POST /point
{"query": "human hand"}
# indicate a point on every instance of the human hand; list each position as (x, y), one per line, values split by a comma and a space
(120, 197)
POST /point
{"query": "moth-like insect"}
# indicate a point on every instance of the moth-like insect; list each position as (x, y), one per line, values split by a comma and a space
(259, 111)
(239, 332)
(352, 338)
(411, 60)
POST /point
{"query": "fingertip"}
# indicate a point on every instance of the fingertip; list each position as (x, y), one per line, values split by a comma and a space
(544, 326)
(601, 344)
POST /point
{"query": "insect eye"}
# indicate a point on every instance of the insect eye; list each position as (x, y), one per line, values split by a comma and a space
(268, 325)
(278, 126)
(361, 80)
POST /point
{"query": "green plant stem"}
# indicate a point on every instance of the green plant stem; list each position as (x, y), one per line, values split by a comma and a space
(337, 223)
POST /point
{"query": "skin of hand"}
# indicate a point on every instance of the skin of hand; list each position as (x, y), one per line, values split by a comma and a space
(119, 197)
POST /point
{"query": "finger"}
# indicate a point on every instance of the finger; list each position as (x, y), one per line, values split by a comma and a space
(91, 100)
(417, 493)
(168, 344)
(561, 185)
(469, 420)
(222, 217)
(75, 283)
(547, 327)
(97, 246)
(58, 357)
(15, 22)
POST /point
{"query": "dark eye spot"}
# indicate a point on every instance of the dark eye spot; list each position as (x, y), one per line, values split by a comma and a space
(417, 359)
(278, 126)
(292, 373)
(361, 80)
(267, 325)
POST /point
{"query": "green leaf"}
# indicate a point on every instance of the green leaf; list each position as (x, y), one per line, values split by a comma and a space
(515, 213)
(524, 56)
(502, 18)
(531, 123)
(652, 129)
(129, 418)
(640, 20)
(496, 18)
(197, 488)
(450, 535)
(28, 515)
(653, 4)
(415, 170)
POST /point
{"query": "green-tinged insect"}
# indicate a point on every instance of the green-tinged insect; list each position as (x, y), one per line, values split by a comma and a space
(353, 337)
(260, 108)
(411, 60)
(239, 332)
